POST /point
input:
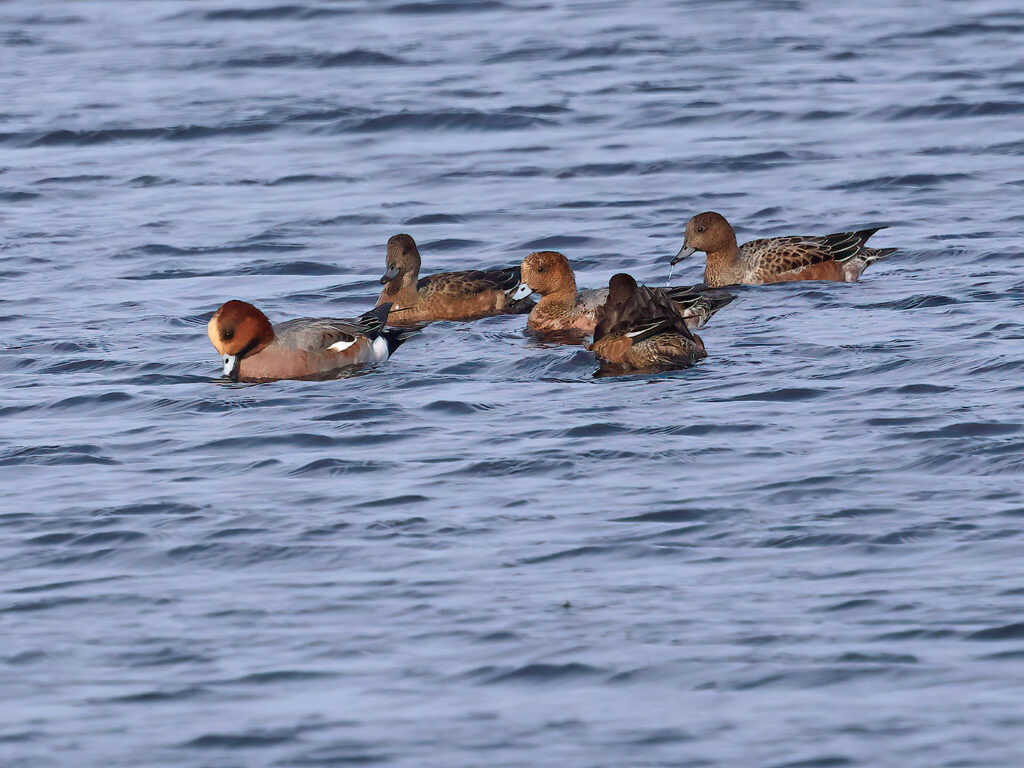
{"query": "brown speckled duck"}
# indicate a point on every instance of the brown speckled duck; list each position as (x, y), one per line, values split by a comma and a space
(839, 257)
(563, 308)
(641, 329)
(444, 296)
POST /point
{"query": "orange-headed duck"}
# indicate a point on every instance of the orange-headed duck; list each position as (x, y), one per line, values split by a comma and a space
(563, 308)
(841, 257)
(642, 329)
(444, 296)
(254, 350)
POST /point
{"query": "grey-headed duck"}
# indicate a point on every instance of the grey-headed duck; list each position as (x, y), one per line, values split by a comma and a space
(444, 296)
(642, 329)
(840, 257)
(255, 350)
(564, 308)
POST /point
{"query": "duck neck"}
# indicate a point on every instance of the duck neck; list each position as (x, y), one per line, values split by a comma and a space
(401, 291)
(562, 299)
(722, 263)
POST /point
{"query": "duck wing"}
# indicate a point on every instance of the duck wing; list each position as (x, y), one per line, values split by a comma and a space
(649, 312)
(791, 254)
(324, 332)
(470, 282)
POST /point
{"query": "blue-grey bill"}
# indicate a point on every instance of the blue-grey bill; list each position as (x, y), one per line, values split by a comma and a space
(520, 292)
(683, 253)
(389, 274)
(231, 366)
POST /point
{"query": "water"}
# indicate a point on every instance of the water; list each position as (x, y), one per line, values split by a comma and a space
(805, 551)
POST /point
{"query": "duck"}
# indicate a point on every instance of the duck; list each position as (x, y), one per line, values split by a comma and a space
(563, 308)
(255, 350)
(641, 329)
(468, 295)
(841, 257)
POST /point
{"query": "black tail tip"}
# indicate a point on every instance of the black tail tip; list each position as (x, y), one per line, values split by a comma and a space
(719, 299)
(865, 234)
(396, 337)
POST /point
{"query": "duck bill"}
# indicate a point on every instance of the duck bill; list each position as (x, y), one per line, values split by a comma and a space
(389, 274)
(520, 292)
(683, 253)
(232, 365)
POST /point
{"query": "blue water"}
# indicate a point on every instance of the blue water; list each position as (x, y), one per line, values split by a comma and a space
(806, 551)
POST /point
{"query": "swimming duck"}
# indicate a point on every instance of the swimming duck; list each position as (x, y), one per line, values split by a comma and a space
(841, 256)
(563, 308)
(642, 329)
(254, 350)
(444, 296)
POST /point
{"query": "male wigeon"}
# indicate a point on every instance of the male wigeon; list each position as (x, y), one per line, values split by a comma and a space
(642, 329)
(563, 308)
(444, 296)
(840, 257)
(254, 350)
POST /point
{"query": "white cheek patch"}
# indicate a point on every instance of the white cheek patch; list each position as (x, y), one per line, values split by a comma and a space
(341, 346)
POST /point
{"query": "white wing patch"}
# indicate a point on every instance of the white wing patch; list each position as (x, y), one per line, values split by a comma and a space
(341, 346)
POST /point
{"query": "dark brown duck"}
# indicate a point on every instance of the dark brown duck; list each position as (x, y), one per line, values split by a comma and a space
(642, 329)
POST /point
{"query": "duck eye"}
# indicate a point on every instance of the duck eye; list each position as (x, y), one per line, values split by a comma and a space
(542, 269)
(228, 334)
(700, 229)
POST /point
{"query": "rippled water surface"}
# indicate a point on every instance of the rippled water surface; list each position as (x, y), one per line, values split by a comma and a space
(805, 551)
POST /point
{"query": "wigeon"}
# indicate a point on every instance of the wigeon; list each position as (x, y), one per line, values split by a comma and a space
(642, 329)
(563, 308)
(841, 257)
(444, 296)
(255, 350)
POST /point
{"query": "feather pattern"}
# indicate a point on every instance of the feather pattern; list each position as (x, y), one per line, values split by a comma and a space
(469, 282)
(698, 303)
(321, 333)
(789, 254)
(840, 256)
(642, 328)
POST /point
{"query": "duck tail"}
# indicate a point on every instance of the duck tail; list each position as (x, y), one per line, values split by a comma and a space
(373, 322)
(395, 337)
(865, 234)
(374, 325)
(699, 304)
(871, 255)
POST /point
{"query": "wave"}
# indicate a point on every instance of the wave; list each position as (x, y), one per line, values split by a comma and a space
(357, 57)
(271, 13)
(950, 111)
(440, 7)
(447, 120)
